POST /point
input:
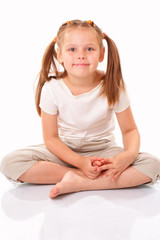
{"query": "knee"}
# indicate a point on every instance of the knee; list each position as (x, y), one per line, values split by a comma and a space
(6, 165)
(149, 165)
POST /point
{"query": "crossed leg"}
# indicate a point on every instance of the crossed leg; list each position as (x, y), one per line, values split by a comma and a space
(73, 182)
(45, 172)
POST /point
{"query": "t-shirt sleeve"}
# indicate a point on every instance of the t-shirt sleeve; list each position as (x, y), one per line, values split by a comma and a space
(123, 104)
(48, 100)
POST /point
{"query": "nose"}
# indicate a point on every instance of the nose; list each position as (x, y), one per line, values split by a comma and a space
(81, 55)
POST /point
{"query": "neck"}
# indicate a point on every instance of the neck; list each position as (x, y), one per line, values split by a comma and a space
(82, 85)
(85, 81)
(80, 82)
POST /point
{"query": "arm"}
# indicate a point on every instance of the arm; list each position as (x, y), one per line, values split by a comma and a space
(61, 150)
(130, 134)
(131, 141)
(54, 143)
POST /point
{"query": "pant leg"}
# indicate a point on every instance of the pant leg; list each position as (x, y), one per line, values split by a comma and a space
(14, 164)
(149, 165)
(145, 163)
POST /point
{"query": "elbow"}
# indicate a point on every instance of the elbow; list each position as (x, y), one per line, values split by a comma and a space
(50, 142)
(131, 131)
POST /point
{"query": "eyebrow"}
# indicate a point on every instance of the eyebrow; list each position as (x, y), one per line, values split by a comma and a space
(74, 44)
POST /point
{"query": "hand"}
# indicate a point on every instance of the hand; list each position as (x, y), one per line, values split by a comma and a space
(90, 166)
(116, 165)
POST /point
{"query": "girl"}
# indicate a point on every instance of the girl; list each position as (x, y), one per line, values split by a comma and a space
(77, 109)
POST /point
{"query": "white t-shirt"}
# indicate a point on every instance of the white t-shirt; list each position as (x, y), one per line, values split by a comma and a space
(86, 116)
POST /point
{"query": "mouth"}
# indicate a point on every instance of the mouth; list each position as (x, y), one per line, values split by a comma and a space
(81, 64)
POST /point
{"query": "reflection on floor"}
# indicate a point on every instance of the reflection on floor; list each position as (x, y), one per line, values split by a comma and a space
(27, 213)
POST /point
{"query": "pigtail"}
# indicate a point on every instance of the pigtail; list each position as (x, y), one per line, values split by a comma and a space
(113, 80)
(48, 71)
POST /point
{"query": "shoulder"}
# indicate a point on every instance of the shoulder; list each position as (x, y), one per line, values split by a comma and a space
(50, 89)
(53, 82)
(51, 86)
(48, 99)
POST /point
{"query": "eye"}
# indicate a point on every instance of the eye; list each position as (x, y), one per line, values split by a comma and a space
(90, 49)
(72, 49)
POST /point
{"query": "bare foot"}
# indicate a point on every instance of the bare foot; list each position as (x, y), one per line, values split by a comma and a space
(71, 182)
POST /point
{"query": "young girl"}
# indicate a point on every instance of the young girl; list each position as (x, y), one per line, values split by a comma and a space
(77, 109)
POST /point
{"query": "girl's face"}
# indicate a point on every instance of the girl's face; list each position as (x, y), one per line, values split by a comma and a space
(80, 52)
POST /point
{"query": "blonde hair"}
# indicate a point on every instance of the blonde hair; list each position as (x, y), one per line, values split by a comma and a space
(113, 81)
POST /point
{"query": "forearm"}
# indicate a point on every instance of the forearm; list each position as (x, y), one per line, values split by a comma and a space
(63, 152)
(131, 142)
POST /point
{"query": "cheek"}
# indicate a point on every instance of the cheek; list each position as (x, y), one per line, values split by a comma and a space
(68, 59)
(67, 62)
(95, 59)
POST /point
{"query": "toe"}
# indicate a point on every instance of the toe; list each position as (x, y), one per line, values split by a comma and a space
(53, 192)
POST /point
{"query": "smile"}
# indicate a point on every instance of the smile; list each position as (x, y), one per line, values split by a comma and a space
(81, 64)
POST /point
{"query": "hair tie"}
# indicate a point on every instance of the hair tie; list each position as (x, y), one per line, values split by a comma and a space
(68, 22)
(55, 40)
(91, 23)
(104, 35)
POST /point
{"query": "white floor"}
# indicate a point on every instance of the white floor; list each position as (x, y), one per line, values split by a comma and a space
(26, 212)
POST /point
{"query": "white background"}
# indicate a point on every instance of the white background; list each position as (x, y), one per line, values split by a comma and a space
(27, 27)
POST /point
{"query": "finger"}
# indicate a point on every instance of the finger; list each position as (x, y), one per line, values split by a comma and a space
(92, 176)
(97, 163)
(107, 160)
(106, 167)
(94, 169)
(116, 176)
(110, 172)
(94, 164)
(102, 161)
(94, 158)
(98, 170)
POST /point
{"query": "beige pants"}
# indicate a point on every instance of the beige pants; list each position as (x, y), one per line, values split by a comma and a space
(16, 163)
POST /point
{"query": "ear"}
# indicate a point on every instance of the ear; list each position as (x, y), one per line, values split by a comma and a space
(59, 56)
(101, 57)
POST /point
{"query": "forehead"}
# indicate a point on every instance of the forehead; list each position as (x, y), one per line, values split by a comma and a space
(80, 35)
